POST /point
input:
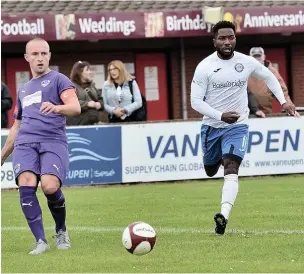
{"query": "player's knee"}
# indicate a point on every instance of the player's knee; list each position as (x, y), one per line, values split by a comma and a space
(49, 184)
(231, 166)
(27, 179)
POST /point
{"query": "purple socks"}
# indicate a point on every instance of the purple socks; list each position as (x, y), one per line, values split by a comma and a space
(32, 211)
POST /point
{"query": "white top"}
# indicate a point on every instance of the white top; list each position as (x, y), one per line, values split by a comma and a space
(220, 86)
(121, 96)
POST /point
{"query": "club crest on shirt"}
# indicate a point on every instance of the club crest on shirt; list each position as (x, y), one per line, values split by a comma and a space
(45, 83)
(239, 67)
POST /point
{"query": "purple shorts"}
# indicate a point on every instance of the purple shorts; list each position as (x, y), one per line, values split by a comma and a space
(41, 159)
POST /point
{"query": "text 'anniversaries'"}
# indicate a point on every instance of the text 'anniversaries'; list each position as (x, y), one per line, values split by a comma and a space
(266, 20)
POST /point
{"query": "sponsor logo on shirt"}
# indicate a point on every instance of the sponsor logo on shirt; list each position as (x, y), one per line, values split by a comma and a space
(228, 84)
(34, 98)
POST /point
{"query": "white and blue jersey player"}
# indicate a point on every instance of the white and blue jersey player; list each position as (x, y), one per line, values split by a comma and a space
(219, 92)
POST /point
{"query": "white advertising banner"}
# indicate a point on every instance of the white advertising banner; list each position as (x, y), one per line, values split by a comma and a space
(7, 173)
(172, 151)
(7, 176)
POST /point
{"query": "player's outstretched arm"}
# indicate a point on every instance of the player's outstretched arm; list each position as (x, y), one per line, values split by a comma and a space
(9, 144)
(71, 106)
(274, 86)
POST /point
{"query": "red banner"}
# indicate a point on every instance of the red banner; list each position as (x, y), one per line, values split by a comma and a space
(127, 25)
(267, 20)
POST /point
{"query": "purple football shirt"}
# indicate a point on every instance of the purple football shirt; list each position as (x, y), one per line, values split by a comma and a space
(35, 125)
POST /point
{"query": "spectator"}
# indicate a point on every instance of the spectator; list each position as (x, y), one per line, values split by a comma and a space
(259, 88)
(253, 106)
(6, 104)
(117, 95)
(89, 97)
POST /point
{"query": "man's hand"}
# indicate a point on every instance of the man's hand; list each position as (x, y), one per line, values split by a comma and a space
(290, 109)
(230, 117)
(297, 114)
(260, 113)
(47, 108)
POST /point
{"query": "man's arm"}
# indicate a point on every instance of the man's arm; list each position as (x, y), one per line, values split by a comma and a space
(9, 144)
(198, 91)
(282, 83)
(71, 105)
(263, 73)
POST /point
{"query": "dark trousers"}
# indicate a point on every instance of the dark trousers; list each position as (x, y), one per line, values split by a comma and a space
(114, 119)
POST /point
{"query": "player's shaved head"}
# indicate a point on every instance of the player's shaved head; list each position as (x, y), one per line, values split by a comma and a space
(38, 55)
(35, 40)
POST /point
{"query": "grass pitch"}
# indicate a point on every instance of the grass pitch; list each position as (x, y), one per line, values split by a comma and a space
(265, 230)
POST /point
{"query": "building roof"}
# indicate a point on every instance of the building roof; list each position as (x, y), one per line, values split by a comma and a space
(137, 5)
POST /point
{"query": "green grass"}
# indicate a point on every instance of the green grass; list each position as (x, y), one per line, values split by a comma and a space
(265, 231)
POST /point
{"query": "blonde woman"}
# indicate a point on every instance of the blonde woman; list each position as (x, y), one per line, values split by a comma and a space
(117, 94)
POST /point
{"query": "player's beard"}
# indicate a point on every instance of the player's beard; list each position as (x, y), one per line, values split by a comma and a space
(225, 55)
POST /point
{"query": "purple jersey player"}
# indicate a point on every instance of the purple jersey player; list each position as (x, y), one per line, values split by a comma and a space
(38, 143)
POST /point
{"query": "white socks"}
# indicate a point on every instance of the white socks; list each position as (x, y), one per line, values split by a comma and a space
(229, 193)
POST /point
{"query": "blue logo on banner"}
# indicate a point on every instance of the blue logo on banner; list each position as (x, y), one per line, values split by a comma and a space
(94, 155)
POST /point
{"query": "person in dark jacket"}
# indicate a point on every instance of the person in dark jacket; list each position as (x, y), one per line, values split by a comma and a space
(253, 105)
(89, 96)
(6, 104)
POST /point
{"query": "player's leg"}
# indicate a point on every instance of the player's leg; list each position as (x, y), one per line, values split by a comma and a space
(234, 146)
(211, 147)
(27, 169)
(54, 160)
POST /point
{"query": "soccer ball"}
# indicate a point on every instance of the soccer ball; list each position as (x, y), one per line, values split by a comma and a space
(139, 238)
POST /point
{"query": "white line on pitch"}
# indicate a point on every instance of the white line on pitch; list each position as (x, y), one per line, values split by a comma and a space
(167, 230)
